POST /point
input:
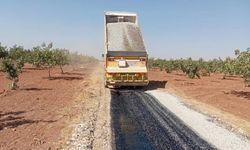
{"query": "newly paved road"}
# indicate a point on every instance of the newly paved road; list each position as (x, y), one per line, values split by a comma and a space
(139, 121)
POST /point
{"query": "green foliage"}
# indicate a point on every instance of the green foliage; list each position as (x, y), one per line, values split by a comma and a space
(45, 56)
(243, 65)
(48, 57)
(3, 52)
(13, 59)
(215, 65)
(157, 63)
(3, 55)
(191, 68)
(229, 67)
(169, 66)
(12, 69)
(196, 68)
(17, 53)
(61, 57)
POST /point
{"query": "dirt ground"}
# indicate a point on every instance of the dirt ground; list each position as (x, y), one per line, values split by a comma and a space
(227, 99)
(72, 109)
(90, 127)
(34, 116)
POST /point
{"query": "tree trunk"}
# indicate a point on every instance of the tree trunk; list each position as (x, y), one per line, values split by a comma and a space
(13, 84)
(224, 76)
(49, 73)
(61, 69)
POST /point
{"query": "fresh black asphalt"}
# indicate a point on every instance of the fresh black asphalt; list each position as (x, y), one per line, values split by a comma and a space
(139, 121)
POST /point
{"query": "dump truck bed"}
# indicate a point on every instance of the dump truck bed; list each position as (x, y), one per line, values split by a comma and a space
(124, 36)
(125, 52)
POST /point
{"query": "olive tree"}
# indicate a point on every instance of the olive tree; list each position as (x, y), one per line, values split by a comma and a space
(11, 63)
(3, 51)
(48, 58)
(169, 66)
(3, 55)
(191, 68)
(61, 58)
(12, 69)
(17, 53)
(243, 64)
(35, 57)
(229, 67)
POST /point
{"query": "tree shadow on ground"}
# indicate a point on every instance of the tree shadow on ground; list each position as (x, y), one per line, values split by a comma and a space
(229, 78)
(15, 119)
(74, 73)
(11, 113)
(179, 74)
(35, 89)
(33, 68)
(80, 69)
(152, 85)
(179, 80)
(64, 78)
(24, 71)
(188, 83)
(215, 81)
(243, 94)
(156, 85)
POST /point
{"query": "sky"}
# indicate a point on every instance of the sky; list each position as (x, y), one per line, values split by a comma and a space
(171, 28)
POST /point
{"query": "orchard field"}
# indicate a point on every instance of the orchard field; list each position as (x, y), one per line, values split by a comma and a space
(53, 98)
(13, 59)
(240, 66)
(39, 90)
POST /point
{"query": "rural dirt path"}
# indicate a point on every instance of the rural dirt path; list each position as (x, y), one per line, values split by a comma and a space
(91, 127)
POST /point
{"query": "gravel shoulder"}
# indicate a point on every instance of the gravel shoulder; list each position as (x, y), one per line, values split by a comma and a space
(203, 125)
(90, 126)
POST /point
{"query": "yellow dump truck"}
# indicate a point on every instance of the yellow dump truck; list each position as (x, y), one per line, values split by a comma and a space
(125, 54)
